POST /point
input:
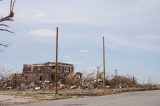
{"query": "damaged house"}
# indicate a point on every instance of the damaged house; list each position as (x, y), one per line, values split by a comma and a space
(46, 71)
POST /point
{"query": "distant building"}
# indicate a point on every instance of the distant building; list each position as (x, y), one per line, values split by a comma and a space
(46, 71)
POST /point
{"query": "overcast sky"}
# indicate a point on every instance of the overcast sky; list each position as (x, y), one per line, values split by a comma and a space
(130, 28)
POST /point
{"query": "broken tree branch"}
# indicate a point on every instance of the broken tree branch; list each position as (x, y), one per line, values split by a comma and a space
(11, 13)
(5, 45)
(4, 25)
(9, 17)
(6, 30)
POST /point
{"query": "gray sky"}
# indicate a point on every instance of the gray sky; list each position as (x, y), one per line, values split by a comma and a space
(130, 27)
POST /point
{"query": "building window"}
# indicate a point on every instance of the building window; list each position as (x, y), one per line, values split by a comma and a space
(52, 77)
(40, 78)
(39, 69)
(53, 67)
(63, 69)
(66, 69)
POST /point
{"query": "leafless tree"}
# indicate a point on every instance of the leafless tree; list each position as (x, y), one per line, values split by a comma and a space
(9, 17)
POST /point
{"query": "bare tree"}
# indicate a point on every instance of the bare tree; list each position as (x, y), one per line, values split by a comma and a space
(3, 19)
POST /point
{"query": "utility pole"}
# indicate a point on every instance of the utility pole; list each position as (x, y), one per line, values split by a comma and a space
(104, 85)
(15, 80)
(56, 59)
(116, 72)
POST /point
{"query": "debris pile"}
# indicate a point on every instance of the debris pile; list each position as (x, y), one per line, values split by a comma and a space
(70, 81)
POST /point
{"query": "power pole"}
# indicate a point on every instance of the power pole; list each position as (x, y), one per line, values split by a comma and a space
(116, 72)
(56, 59)
(15, 81)
(104, 85)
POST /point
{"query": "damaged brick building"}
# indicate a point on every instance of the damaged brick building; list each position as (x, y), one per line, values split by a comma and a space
(46, 71)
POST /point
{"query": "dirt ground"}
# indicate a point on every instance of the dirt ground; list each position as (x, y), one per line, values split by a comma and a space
(139, 98)
(13, 100)
(11, 97)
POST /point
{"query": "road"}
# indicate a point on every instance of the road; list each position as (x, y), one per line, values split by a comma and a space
(145, 98)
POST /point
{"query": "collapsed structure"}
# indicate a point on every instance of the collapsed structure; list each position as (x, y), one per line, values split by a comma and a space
(46, 71)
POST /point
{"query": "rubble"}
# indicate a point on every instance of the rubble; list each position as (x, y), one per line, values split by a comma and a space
(66, 81)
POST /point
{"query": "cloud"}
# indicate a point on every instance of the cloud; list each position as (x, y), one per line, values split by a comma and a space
(42, 32)
(73, 62)
(138, 43)
(117, 13)
(149, 37)
(92, 68)
(40, 15)
(84, 51)
(67, 56)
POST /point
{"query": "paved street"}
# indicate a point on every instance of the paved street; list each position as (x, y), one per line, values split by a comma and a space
(145, 98)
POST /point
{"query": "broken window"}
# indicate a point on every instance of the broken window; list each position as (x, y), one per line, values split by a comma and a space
(66, 69)
(39, 69)
(53, 67)
(72, 69)
(40, 78)
(63, 69)
(52, 77)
